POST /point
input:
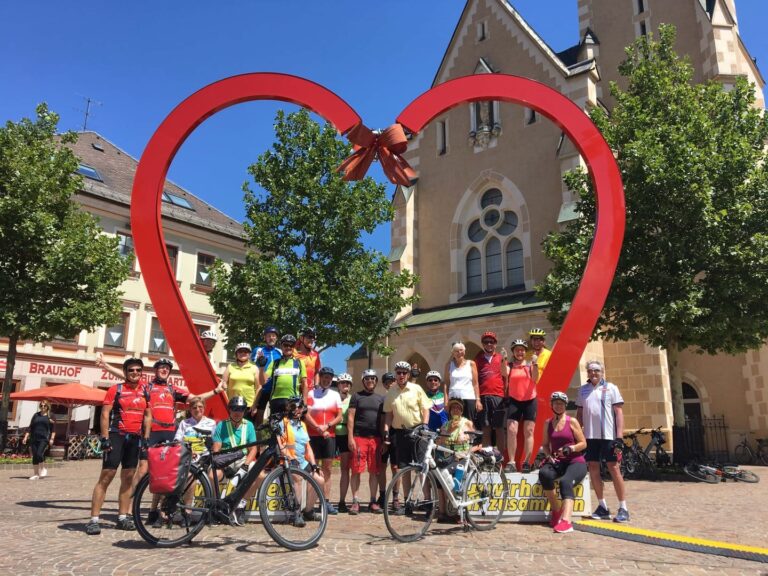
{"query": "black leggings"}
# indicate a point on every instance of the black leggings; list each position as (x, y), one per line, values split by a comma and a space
(569, 473)
(38, 446)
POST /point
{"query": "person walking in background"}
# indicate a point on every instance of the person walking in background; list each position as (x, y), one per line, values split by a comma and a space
(40, 436)
(600, 413)
(461, 381)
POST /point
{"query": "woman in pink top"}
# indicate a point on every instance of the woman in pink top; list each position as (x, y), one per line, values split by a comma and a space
(564, 444)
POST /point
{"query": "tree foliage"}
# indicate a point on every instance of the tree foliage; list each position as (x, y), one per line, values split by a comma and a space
(308, 265)
(693, 272)
(58, 273)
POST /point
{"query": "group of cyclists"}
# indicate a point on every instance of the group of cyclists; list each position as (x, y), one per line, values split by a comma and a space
(366, 431)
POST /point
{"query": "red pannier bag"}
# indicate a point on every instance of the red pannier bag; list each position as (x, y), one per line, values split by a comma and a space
(168, 467)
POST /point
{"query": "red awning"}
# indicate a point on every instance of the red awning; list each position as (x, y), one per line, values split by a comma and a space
(72, 394)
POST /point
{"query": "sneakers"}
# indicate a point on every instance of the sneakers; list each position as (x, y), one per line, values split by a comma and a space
(43, 472)
(238, 516)
(331, 509)
(299, 521)
(622, 515)
(563, 526)
(354, 509)
(312, 516)
(125, 523)
(342, 507)
(554, 517)
(510, 468)
(601, 513)
(153, 517)
(93, 528)
(35, 477)
(374, 508)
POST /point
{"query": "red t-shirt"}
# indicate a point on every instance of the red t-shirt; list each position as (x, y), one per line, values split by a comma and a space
(311, 365)
(489, 374)
(128, 416)
(521, 384)
(162, 400)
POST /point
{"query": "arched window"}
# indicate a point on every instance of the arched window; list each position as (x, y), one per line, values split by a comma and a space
(474, 272)
(493, 277)
(515, 269)
(691, 402)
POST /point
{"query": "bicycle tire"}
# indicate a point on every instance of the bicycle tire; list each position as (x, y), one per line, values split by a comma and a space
(693, 469)
(494, 494)
(418, 507)
(744, 476)
(647, 467)
(742, 454)
(762, 456)
(177, 522)
(281, 510)
(629, 465)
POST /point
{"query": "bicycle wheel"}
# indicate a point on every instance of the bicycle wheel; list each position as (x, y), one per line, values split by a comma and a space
(662, 457)
(762, 456)
(488, 492)
(694, 470)
(629, 465)
(742, 454)
(411, 522)
(647, 467)
(171, 520)
(287, 502)
(742, 475)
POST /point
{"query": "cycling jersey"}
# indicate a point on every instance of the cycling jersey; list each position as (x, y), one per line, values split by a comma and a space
(489, 378)
(287, 374)
(295, 438)
(324, 405)
(128, 405)
(271, 353)
(312, 365)
(162, 401)
(242, 381)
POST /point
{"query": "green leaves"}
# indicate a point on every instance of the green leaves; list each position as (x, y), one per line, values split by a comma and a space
(308, 265)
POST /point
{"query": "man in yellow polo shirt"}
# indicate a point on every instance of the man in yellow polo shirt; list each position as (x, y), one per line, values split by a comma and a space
(406, 405)
(536, 347)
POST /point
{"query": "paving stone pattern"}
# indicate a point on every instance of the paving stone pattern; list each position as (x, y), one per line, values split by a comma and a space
(42, 533)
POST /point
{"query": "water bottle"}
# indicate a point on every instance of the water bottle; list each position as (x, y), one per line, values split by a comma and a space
(458, 476)
(446, 476)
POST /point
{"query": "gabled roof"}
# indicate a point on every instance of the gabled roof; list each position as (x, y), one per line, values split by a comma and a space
(117, 169)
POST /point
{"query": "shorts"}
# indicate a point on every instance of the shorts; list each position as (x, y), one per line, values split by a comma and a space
(263, 399)
(342, 444)
(388, 451)
(405, 448)
(494, 413)
(125, 452)
(522, 409)
(366, 455)
(323, 448)
(156, 438)
(598, 450)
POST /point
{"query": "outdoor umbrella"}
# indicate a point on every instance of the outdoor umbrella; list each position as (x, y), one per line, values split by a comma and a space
(70, 395)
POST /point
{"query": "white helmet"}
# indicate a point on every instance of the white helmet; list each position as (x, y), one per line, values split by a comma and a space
(369, 374)
(209, 335)
(243, 346)
(434, 374)
(402, 365)
(344, 377)
(556, 395)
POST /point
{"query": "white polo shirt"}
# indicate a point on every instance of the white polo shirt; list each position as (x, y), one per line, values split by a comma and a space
(597, 404)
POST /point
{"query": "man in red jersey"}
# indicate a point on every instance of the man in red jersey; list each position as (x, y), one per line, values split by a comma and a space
(125, 422)
(492, 371)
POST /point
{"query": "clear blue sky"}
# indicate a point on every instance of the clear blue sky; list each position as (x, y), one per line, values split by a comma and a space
(139, 59)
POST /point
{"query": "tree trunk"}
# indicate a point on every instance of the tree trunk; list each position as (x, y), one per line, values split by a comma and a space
(675, 383)
(369, 349)
(7, 387)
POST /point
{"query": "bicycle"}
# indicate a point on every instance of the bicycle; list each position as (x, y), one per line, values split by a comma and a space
(285, 496)
(658, 439)
(714, 474)
(744, 454)
(635, 462)
(480, 499)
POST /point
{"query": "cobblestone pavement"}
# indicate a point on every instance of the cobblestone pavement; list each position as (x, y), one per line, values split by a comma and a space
(42, 530)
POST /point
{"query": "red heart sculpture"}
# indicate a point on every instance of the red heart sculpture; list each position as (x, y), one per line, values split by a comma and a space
(165, 142)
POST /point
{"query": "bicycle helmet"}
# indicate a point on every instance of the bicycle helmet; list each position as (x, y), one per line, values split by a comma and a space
(402, 365)
(370, 374)
(326, 370)
(388, 377)
(163, 362)
(237, 403)
(519, 342)
(209, 335)
(558, 396)
(489, 336)
(309, 332)
(293, 403)
(132, 362)
(434, 374)
(243, 346)
(536, 332)
(272, 330)
(288, 339)
(345, 377)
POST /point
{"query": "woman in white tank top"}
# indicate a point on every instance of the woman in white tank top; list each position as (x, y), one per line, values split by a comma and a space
(461, 381)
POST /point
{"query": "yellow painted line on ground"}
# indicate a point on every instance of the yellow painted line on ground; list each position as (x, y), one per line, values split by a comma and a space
(624, 529)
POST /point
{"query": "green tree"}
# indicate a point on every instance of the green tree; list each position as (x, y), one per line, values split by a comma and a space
(308, 266)
(58, 273)
(693, 273)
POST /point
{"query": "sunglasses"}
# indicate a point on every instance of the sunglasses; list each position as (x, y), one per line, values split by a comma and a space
(134, 371)
(237, 410)
(369, 378)
(401, 372)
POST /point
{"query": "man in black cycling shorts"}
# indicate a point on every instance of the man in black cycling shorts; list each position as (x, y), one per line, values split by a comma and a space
(125, 420)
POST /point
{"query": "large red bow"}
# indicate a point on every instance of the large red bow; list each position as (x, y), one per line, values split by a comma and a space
(387, 146)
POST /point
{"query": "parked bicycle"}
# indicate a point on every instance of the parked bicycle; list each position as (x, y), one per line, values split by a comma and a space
(656, 445)
(744, 454)
(480, 499)
(635, 462)
(716, 473)
(286, 499)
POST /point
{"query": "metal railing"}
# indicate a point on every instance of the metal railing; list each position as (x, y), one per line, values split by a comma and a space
(704, 439)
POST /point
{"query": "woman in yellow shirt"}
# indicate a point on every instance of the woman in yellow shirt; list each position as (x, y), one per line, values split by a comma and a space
(242, 377)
